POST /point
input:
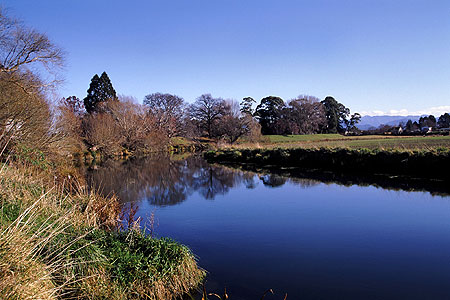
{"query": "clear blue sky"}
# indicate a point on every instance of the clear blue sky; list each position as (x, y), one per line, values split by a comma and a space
(371, 55)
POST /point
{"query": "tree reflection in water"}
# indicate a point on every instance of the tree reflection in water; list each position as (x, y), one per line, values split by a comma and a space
(273, 180)
(165, 180)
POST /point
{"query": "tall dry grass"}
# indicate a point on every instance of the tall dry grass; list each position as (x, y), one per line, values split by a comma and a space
(43, 231)
(60, 243)
(22, 275)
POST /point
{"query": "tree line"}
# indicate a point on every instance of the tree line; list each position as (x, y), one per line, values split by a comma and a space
(424, 125)
(30, 67)
(106, 121)
(428, 122)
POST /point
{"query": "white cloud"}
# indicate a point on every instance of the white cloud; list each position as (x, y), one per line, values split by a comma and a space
(435, 110)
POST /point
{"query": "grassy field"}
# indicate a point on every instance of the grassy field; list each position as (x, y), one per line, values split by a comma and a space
(340, 141)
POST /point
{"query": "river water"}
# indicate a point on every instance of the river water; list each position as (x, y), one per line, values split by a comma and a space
(310, 239)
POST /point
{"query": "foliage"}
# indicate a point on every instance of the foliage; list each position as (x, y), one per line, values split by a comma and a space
(134, 125)
(29, 156)
(427, 121)
(336, 114)
(74, 105)
(411, 127)
(351, 123)
(122, 126)
(100, 91)
(69, 118)
(444, 121)
(141, 260)
(269, 113)
(247, 106)
(103, 133)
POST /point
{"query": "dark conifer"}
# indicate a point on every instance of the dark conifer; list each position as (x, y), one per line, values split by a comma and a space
(100, 91)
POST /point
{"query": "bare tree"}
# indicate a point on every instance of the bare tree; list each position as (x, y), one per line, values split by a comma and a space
(234, 124)
(103, 134)
(24, 117)
(132, 121)
(167, 111)
(306, 115)
(23, 50)
(206, 111)
(29, 63)
(68, 124)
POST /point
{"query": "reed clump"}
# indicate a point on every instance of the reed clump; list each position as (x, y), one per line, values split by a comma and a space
(60, 243)
(22, 276)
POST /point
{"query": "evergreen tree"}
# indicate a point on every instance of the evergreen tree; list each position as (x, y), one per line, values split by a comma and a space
(336, 114)
(429, 121)
(409, 126)
(444, 121)
(268, 113)
(100, 91)
(247, 106)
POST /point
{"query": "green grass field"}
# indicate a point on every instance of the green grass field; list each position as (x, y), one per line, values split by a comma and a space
(336, 140)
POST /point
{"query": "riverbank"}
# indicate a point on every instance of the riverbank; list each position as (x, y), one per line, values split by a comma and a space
(178, 145)
(433, 163)
(343, 141)
(59, 241)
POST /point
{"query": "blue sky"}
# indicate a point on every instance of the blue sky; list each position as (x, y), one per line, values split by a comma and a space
(375, 56)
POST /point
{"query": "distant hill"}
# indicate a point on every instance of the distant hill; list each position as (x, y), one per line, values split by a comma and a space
(368, 122)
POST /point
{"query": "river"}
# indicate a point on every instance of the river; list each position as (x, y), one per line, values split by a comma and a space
(304, 237)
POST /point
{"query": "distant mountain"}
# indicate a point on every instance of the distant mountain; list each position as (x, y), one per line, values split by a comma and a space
(368, 122)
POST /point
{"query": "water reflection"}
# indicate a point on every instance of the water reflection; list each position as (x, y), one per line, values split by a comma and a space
(273, 180)
(294, 231)
(164, 181)
(168, 180)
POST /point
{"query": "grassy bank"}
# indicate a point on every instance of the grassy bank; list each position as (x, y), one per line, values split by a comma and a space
(353, 142)
(56, 244)
(433, 163)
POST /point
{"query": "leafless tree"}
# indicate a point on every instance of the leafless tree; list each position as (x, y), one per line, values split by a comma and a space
(132, 121)
(68, 124)
(231, 125)
(206, 111)
(103, 134)
(29, 63)
(23, 50)
(123, 124)
(306, 115)
(167, 111)
(235, 124)
(24, 117)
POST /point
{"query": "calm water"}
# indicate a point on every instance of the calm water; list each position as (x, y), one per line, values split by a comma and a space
(312, 240)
